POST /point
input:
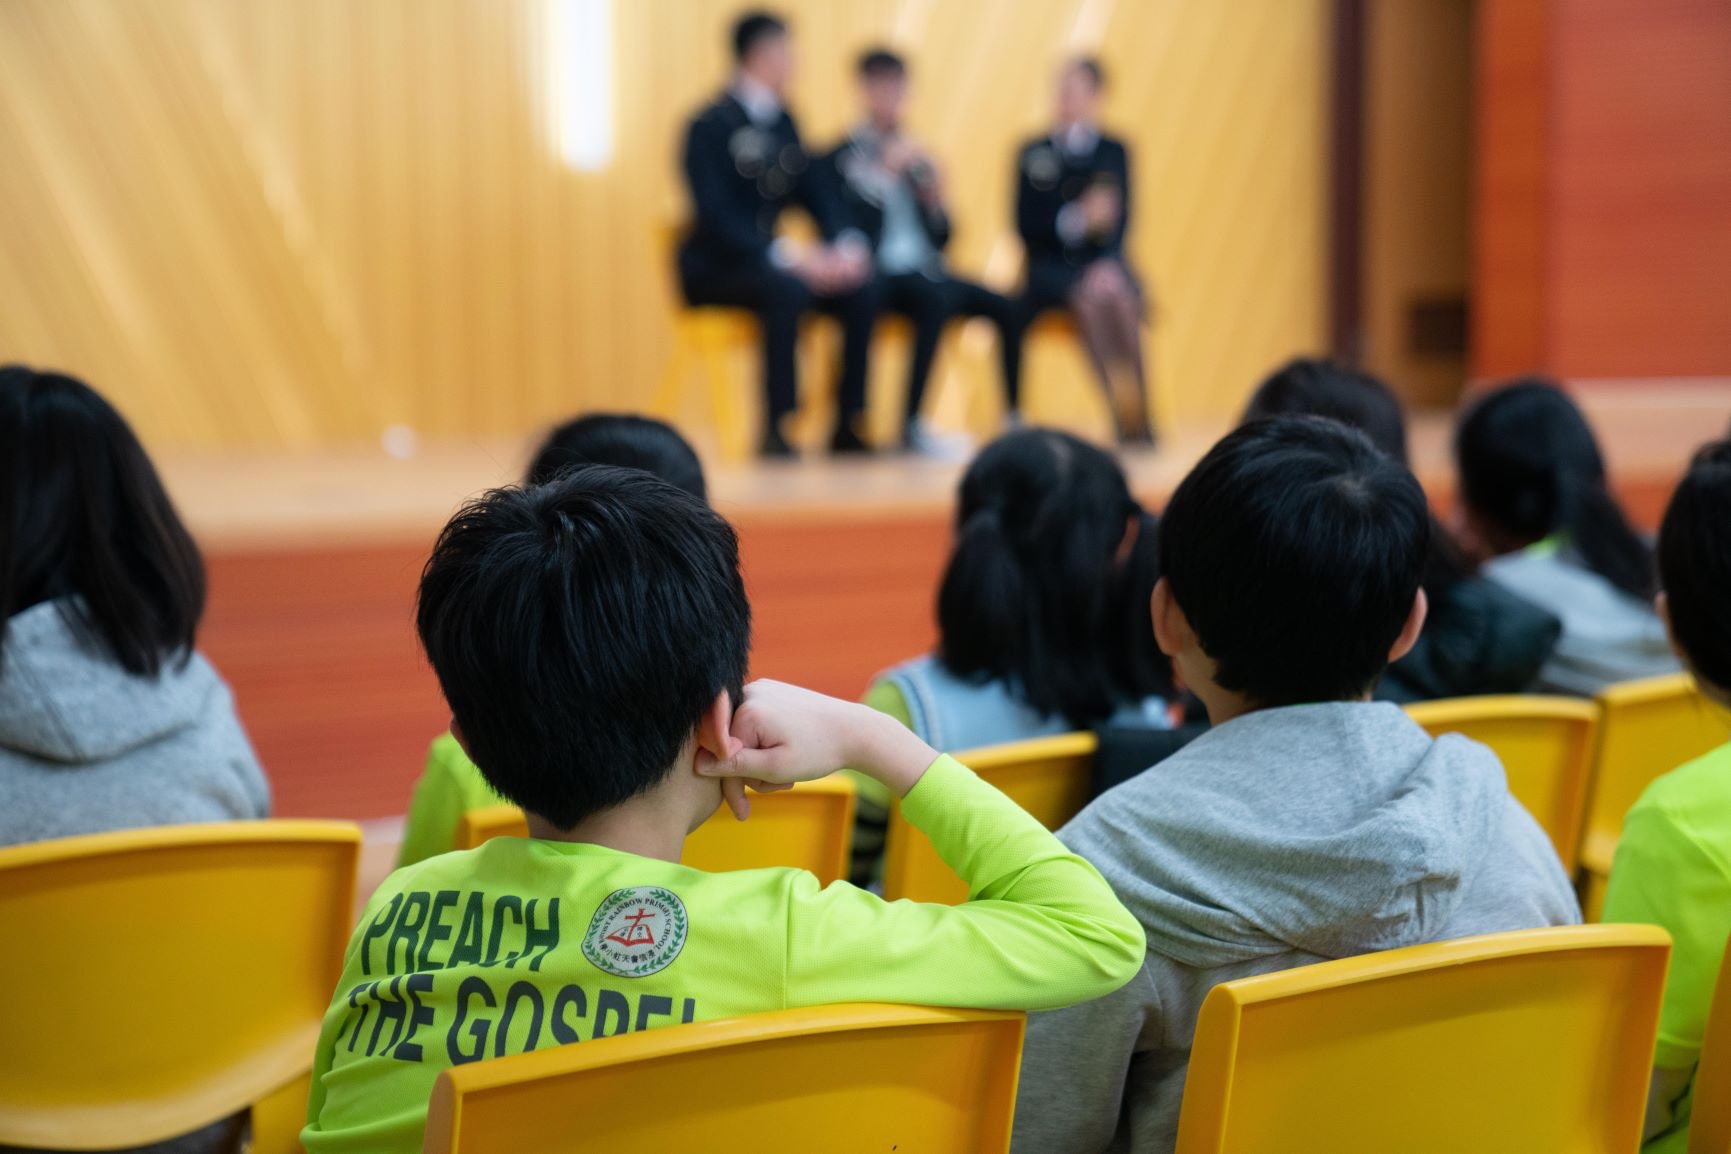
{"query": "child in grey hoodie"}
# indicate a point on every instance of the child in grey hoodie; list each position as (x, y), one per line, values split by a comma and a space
(1309, 823)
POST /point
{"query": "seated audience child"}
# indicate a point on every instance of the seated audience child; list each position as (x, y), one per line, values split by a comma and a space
(109, 717)
(1478, 637)
(1536, 511)
(1042, 612)
(450, 785)
(1672, 866)
(590, 636)
(1309, 822)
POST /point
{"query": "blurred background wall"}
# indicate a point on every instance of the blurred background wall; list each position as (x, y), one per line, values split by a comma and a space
(299, 222)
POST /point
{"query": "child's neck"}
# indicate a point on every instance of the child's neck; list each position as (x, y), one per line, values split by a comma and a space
(648, 825)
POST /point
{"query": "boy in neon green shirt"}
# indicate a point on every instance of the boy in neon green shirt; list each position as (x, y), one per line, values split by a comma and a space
(590, 636)
(1673, 863)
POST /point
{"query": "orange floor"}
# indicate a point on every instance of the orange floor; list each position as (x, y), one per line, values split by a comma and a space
(314, 560)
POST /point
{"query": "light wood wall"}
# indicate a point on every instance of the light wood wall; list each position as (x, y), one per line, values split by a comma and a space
(298, 222)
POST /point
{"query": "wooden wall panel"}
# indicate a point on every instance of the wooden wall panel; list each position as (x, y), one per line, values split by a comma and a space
(1640, 262)
(298, 222)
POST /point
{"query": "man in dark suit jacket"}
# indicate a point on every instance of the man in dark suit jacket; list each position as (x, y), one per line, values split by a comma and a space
(1073, 209)
(893, 193)
(744, 164)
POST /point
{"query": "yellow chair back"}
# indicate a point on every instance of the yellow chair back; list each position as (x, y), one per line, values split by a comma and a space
(809, 827)
(830, 1078)
(1646, 728)
(1545, 745)
(159, 980)
(1533, 1040)
(1047, 776)
(1710, 1121)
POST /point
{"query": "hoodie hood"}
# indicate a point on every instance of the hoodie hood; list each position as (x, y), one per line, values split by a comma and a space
(63, 697)
(1333, 829)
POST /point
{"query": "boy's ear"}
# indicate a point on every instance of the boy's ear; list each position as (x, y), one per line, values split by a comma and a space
(1413, 627)
(1172, 632)
(715, 730)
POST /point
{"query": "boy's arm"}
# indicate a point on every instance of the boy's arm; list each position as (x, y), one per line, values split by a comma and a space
(1041, 928)
(1076, 1065)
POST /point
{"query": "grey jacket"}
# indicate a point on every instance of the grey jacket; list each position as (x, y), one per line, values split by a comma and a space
(1281, 838)
(86, 746)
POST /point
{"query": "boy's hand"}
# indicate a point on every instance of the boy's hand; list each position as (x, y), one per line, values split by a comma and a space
(789, 734)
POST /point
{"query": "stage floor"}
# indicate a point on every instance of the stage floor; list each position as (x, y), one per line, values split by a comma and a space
(314, 559)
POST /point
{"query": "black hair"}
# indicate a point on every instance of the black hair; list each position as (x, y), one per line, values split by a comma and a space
(1695, 564)
(622, 439)
(1313, 387)
(1295, 549)
(84, 520)
(754, 28)
(881, 62)
(580, 630)
(1529, 466)
(1091, 67)
(1034, 593)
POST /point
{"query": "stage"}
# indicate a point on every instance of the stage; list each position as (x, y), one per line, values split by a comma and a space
(314, 559)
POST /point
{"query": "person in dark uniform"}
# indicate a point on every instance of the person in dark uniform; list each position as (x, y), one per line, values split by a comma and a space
(1073, 209)
(893, 193)
(744, 164)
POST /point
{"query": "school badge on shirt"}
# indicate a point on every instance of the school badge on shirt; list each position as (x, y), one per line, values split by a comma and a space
(636, 932)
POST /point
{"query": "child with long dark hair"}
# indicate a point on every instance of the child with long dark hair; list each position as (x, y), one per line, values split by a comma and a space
(1537, 510)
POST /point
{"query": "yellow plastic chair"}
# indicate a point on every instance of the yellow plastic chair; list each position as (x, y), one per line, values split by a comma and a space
(1526, 1041)
(1047, 776)
(162, 979)
(1646, 728)
(707, 338)
(829, 1078)
(1710, 1117)
(809, 827)
(1545, 745)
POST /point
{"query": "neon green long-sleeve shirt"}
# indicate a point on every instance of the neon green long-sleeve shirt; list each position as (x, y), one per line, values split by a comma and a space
(523, 944)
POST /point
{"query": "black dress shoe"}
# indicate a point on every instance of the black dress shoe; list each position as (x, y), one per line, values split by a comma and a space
(846, 441)
(774, 446)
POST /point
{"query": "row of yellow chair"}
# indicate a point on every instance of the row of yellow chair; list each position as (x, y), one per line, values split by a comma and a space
(163, 979)
(1534, 1040)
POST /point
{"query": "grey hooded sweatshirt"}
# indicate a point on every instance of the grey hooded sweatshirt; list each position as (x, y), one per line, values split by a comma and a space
(86, 746)
(1278, 839)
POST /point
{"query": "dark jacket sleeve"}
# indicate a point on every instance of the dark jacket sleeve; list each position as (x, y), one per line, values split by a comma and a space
(819, 196)
(707, 168)
(1036, 209)
(1116, 160)
(937, 221)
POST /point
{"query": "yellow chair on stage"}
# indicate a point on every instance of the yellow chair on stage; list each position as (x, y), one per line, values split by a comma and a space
(160, 980)
(707, 338)
(819, 1080)
(1710, 1119)
(1047, 776)
(1545, 745)
(808, 827)
(1525, 1041)
(1646, 728)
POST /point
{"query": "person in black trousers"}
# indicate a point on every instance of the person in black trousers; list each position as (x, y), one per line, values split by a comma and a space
(744, 164)
(892, 192)
(1073, 209)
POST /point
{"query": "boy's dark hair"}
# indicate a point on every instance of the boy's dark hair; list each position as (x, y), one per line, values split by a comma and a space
(752, 29)
(622, 439)
(1295, 549)
(1091, 67)
(881, 62)
(1529, 464)
(1310, 386)
(1695, 564)
(84, 519)
(579, 630)
(1035, 594)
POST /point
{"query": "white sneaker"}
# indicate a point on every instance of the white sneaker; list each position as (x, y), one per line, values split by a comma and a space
(924, 441)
